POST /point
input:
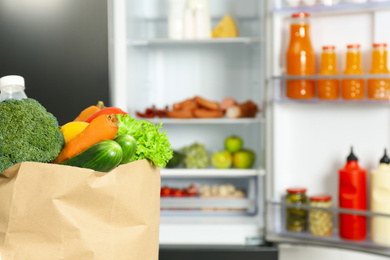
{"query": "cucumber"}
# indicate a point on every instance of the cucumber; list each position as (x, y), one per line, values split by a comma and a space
(103, 157)
(129, 146)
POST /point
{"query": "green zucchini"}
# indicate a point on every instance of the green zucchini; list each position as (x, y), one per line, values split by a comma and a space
(103, 157)
(129, 146)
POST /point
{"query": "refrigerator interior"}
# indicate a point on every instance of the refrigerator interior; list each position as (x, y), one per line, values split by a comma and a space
(311, 139)
(150, 69)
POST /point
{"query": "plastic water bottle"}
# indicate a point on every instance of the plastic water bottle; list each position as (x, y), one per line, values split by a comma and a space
(12, 86)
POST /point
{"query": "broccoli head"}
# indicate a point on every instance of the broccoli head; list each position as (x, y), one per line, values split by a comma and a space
(28, 132)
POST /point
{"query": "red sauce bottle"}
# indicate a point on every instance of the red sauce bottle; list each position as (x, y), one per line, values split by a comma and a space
(352, 195)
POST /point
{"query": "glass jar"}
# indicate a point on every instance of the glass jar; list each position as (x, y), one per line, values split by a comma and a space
(296, 216)
(320, 221)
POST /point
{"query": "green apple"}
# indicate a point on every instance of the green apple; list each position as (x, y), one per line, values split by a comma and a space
(222, 160)
(244, 159)
(233, 144)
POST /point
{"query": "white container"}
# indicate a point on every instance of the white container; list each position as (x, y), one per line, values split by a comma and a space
(380, 202)
(175, 19)
(12, 86)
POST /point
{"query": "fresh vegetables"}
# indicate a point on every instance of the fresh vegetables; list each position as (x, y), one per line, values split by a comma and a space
(151, 144)
(105, 111)
(195, 156)
(71, 129)
(89, 111)
(129, 146)
(103, 156)
(28, 132)
(104, 127)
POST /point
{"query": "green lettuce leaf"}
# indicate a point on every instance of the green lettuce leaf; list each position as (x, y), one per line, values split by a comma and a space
(151, 143)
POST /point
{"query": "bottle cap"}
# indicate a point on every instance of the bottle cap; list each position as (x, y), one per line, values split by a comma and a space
(296, 190)
(322, 197)
(353, 46)
(351, 156)
(385, 159)
(11, 80)
(300, 14)
(382, 44)
(328, 47)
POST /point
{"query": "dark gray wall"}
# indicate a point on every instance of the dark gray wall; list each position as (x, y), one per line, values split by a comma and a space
(60, 47)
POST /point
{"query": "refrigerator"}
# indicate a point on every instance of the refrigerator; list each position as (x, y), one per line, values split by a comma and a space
(296, 142)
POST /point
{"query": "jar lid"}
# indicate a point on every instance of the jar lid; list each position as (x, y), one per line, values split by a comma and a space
(321, 197)
(354, 45)
(11, 80)
(381, 44)
(328, 47)
(296, 190)
(300, 14)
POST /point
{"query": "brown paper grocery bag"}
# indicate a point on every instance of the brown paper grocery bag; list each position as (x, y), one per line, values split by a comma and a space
(50, 212)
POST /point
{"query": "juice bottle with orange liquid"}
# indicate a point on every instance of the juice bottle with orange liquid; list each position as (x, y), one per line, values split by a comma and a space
(300, 58)
(379, 88)
(353, 88)
(328, 88)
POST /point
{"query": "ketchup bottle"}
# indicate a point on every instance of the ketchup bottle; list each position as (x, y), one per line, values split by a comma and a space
(352, 195)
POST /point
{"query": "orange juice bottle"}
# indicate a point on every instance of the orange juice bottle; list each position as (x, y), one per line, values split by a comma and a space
(300, 58)
(328, 88)
(379, 88)
(353, 88)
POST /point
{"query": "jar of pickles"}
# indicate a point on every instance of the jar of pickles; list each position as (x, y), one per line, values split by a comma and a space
(320, 221)
(296, 216)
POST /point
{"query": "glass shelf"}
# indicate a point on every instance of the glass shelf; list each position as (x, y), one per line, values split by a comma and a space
(166, 41)
(328, 6)
(254, 120)
(211, 173)
(277, 220)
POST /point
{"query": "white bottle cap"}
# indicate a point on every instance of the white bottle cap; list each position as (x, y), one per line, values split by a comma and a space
(11, 80)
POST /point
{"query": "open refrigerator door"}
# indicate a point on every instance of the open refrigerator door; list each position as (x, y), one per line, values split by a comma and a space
(311, 137)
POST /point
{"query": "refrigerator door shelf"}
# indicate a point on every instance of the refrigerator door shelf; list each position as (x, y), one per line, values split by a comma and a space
(279, 89)
(276, 229)
(328, 6)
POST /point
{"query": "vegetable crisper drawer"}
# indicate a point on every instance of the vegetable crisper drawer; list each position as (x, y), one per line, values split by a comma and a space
(209, 196)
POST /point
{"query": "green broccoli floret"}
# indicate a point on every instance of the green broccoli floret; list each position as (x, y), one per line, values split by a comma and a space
(28, 132)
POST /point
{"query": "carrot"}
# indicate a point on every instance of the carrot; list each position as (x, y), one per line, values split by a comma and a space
(89, 111)
(102, 128)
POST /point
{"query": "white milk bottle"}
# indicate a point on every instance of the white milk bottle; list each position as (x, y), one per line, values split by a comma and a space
(12, 86)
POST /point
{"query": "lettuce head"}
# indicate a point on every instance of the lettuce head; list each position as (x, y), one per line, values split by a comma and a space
(152, 144)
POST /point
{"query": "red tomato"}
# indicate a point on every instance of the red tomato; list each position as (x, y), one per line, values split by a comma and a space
(178, 193)
(166, 191)
(105, 111)
(192, 190)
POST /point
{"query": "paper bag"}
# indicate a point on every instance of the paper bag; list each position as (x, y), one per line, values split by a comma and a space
(50, 212)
